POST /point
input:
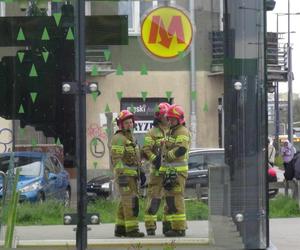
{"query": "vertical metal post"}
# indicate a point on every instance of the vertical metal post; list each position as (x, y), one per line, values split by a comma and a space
(193, 104)
(277, 146)
(81, 232)
(290, 83)
(276, 97)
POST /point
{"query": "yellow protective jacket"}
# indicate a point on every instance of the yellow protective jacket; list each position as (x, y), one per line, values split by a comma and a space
(178, 137)
(154, 139)
(125, 154)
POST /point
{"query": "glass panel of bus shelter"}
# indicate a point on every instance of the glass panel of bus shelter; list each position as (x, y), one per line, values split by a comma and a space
(245, 120)
(175, 54)
(37, 124)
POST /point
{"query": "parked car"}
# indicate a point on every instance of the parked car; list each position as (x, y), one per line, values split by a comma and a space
(198, 167)
(199, 159)
(42, 176)
(99, 187)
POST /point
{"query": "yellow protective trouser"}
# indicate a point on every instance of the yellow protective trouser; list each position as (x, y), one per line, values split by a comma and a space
(174, 210)
(128, 208)
(153, 200)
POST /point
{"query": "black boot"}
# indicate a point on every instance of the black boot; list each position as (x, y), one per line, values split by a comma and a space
(166, 226)
(135, 233)
(151, 232)
(120, 231)
(175, 233)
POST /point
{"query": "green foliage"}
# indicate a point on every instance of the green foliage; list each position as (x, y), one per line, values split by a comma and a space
(106, 208)
(51, 212)
(283, 207)
(12, 211)
(46, 213)
(278, 161)
(196, 210)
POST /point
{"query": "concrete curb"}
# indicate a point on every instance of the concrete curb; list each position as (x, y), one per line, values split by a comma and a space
(114, 242)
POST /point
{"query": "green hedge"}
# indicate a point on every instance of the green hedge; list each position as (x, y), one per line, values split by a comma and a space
(278, 161)
(51, 212)
(283, 207)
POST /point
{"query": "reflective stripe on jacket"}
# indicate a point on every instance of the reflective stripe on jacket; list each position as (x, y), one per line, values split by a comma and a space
(125, 154)
(153, 142)
(178, 137)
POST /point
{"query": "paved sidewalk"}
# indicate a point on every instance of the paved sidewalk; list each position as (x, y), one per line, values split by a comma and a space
(101, 237)
(284, 234)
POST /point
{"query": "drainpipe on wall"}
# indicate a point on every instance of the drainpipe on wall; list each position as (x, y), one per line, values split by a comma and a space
(193, 116)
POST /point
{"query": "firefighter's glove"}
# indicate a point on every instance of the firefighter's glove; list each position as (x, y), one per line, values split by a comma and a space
(180, 151)
(170, 179)
(142, 179)
(157, 162)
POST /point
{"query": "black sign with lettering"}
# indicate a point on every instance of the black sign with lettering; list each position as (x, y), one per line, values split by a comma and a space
(143, 110)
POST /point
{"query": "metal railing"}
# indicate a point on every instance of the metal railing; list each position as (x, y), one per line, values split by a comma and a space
(217, 40)
(95, 56)
(276, 57)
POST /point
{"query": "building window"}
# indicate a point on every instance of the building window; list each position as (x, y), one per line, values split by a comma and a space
(55, 7)
(136, 10)
(132, 9)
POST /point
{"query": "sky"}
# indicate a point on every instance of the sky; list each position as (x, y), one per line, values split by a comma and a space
(282, 7)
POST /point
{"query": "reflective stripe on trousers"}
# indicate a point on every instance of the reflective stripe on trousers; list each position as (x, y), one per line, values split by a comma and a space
(182, 168)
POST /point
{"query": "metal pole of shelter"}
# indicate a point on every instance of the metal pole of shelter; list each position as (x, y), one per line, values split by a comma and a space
(81, 230)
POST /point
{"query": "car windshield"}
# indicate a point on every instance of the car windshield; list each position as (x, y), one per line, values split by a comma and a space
(215, 158)
(201, 159)
(29, 166)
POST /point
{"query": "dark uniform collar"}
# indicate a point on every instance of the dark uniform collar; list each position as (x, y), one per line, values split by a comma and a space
(163, 128)
(175, 127)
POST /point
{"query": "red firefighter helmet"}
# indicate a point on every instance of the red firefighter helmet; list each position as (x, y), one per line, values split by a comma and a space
(162, 109)
(177, 112)
(122, 116)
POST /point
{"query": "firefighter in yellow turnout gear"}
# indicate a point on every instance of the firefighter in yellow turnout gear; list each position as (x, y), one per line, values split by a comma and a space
(152, 151)
(126, 162)
(174, 169)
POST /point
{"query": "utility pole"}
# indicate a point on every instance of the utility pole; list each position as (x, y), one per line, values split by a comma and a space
(290, 83)
(276, 97)
(193, 103)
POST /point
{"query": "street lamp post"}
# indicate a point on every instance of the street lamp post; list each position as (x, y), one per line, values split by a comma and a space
(276, 97)
(290, 83)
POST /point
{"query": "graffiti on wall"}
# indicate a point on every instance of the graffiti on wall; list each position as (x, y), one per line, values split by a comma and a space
(6, 139)
(97, 147)
(97, 136)
(94, 130)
